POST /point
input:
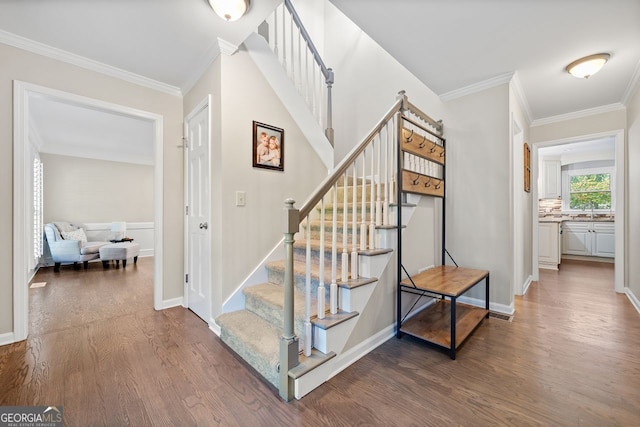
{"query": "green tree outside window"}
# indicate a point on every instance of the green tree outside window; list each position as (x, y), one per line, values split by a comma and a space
(590, 190)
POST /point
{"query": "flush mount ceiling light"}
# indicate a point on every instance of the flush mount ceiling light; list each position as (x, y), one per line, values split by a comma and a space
(229, 10)
(586, 67)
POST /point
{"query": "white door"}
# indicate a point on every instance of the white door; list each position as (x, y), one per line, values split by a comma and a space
(198, 279)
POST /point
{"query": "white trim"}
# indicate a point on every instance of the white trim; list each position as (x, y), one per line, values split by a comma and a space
(477, 87)
(89, 64)
(226, 47)
(526, 285)
(634, 300)
(7, 338)
(632, 86)
(493, 306)
(355, 353)
(214, 327)
(22, 92)
(173, 302)
(521, 97)
(578, 114)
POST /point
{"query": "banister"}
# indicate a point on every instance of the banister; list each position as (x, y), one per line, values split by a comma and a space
(339, 170)
(326, 72)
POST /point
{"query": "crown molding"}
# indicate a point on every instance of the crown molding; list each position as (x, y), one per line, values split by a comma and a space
(521, 97)
(476, 87)
(89, 64)
(210, 55)
(226, 47)
(578, 114)
(632, 86)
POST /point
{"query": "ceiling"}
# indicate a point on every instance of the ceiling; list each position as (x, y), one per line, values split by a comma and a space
(454, 47)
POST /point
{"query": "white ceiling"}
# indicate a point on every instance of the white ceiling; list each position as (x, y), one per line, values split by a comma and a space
(76, 130)
(452, 46)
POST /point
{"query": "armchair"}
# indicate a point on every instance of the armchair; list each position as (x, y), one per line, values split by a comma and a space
(74, 249)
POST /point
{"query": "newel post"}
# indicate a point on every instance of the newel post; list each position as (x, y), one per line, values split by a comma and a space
(288, 341)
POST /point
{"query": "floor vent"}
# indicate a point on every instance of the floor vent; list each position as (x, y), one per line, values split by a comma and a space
(501, 316)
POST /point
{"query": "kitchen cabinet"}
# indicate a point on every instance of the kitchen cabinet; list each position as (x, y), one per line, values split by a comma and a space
(589, 239)
(549, 245)
(551, 180)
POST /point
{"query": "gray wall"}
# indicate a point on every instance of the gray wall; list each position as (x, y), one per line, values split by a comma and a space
(88, 190)
(633, 197)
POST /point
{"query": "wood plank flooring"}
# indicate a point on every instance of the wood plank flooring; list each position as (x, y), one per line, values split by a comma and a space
(571, 356)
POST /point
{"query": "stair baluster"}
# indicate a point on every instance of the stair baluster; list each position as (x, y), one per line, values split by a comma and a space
(333, 290)
(354, 224)
(345, 250)
(321, 289)
(363, 213)
(307, 293)
(372, 212)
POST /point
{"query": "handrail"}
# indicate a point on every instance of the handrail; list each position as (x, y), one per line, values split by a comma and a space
(415, 110)
(327, 72)
(339, 170)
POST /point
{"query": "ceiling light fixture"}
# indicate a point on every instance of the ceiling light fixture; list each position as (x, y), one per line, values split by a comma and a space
(230, 10)
(586, 67)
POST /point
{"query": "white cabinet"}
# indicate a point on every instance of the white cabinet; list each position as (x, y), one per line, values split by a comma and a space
(549, 245)
(589, 239)
(551, 182)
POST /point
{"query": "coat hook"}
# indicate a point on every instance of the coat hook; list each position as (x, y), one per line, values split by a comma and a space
(442, 153)
(433, 148)
(417, 180)
(437, 187)
(422, 144)
(409, 138)
(427, 184)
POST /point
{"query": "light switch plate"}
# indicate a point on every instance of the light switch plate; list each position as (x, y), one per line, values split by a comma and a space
(241, 198)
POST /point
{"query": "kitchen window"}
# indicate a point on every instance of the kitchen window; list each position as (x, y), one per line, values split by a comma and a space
(588, 189)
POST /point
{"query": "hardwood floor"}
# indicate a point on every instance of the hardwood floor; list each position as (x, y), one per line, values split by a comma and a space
(571, 356)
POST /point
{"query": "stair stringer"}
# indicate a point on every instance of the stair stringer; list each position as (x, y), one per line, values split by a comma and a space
(277, 77)
(370, 266)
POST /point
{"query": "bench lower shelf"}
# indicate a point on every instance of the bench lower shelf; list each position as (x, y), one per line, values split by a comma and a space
(433, 324)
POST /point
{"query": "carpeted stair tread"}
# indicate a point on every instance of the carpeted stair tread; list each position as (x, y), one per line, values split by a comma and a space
(267, 301)
(300, 271)
(254, 339)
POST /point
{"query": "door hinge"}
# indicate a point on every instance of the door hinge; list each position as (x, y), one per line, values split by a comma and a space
(186, 278)
(186, 210)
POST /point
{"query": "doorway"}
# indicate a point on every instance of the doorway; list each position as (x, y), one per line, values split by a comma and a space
(24, 93)
(618, 192)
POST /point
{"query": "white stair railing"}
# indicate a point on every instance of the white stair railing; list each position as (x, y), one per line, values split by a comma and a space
(370, 172)
(295, 50)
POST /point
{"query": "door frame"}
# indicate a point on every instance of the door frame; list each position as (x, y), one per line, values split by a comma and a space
(205, 103)
(22, 92)
(620, 171)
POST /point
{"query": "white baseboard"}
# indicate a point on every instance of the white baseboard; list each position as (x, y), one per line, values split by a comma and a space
(493, 306)
(7, 338)
(174, 302)
(214, 327)
(526, 285)
(634, 299)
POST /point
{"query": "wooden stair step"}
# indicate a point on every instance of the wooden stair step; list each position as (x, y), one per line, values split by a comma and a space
(331, 320)
(309, 363)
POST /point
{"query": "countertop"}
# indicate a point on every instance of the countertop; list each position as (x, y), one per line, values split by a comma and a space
(577, 218)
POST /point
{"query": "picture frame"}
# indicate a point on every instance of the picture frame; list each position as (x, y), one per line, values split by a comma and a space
(268, 147)
(527, 168)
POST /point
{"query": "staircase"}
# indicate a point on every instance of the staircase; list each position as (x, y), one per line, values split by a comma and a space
(254, 333)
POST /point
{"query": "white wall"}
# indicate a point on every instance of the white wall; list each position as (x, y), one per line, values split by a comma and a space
(88, 190)
(368, 80)
(633, 197)
(597, 123)
(522, 217)
(32, 68)
(243, 236)
(478, 188)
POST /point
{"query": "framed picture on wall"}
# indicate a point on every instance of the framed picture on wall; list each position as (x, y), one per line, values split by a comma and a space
(268, 147)
(527, 168)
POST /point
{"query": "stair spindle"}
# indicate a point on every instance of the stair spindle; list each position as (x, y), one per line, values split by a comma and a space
(379, 184)
(307, 294)
(372, 218)
(321, 289)
(333, 289)
(363, 206)
(354, 226)
(385, 207)
(345, 253)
